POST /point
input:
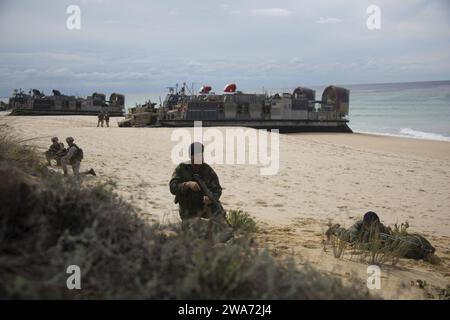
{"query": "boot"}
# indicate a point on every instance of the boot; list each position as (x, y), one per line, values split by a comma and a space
(92, 172)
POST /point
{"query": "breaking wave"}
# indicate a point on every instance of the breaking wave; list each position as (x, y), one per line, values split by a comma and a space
(408, 132)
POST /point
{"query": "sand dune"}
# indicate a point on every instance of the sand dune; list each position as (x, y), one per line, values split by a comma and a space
(322, 177)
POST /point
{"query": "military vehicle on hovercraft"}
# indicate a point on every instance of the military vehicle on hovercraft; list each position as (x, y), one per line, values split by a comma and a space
(298, 111)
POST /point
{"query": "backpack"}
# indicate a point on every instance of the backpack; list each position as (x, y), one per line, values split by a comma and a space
(415, 246)
(78, 155)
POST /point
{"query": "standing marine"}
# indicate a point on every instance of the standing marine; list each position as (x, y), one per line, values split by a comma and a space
(101, 118)
(55, 151)
(192, 201)
(107, 118)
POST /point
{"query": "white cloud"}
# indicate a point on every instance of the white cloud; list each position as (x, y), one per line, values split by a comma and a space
(328, 20)
(229, 10)
(271, 12)
(296, 60)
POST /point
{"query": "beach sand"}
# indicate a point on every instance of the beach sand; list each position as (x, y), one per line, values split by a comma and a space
(321, 178)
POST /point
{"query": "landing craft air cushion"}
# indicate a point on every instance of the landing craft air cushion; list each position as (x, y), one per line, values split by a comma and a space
(37, 103)
(287, 112)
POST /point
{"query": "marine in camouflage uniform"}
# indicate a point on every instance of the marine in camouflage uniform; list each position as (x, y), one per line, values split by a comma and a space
(73, 157)
(101, 119)
(370, 230)
(106, 115)
(192, 201)
(55, 151)
(363, 231)
(70, 158)
(368, 227)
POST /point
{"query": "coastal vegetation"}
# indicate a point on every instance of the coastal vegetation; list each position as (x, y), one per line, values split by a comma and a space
(48, 223)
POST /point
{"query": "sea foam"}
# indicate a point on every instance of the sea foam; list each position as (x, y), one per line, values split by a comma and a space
(409, 133)
(423, 135)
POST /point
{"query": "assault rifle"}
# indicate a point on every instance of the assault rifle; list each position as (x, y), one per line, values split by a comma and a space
(218, 208)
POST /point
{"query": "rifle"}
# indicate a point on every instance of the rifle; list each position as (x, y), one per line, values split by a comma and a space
(216, 203)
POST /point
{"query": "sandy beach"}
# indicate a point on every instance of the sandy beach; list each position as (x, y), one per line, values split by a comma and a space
(321, 178)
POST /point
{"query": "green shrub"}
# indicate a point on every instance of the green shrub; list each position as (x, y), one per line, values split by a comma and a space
(241, 221)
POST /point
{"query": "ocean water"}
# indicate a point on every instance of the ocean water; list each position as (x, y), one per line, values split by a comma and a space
(417, 109)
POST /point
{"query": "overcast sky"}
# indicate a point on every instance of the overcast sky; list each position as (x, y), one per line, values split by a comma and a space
(145, 46)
